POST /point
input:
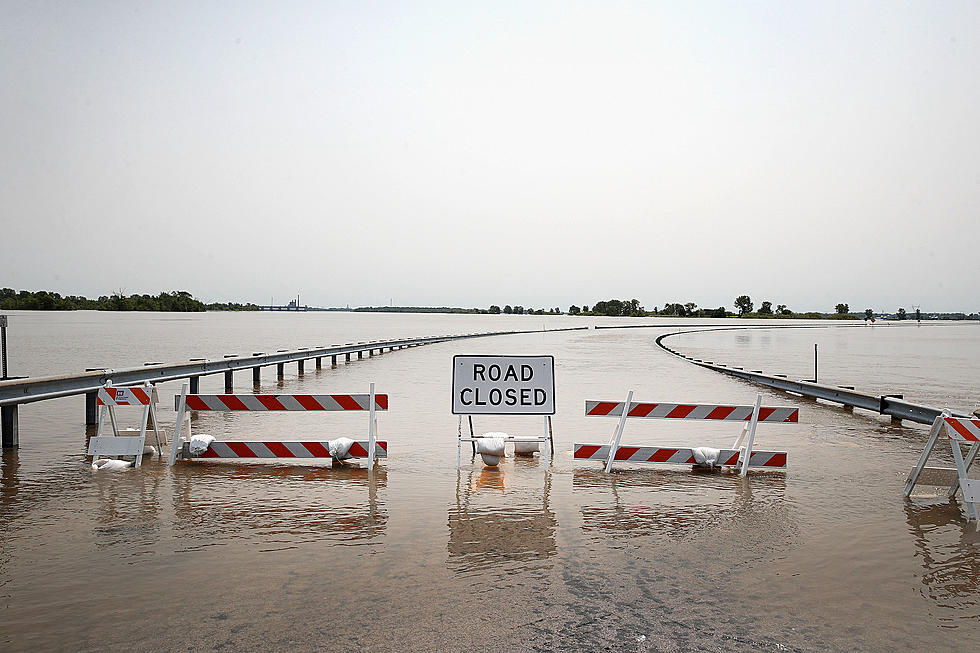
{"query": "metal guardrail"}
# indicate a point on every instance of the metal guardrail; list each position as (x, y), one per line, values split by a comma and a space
(52, 387)
(893, 405)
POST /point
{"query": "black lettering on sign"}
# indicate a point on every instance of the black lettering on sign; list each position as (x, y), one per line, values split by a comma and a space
(478, 371)
(495, 397)
(540, 397)
(511, 397)
(511, 374)
(526, 372)
(462, 396)
(494, 372)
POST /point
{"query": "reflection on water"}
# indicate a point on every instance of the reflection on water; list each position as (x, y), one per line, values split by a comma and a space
(946, 545)
(284, 504)
(795, 560)
(676, 504)
(490, 525)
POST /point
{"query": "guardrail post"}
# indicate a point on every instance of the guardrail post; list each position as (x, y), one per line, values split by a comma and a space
(91, 408)
(300, 365)
(347, 356)
(333, 361)
(360, 354)
(195, 385)
(229, 377)
(9, 429)
(256, 375)
(280, 370)
(318, 363)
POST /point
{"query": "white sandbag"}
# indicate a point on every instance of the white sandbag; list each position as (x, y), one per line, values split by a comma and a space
(149, 450)
(705, 456)
(200, 443)
(526, 448)
(110, 463)
(339, 449)
(490, 446)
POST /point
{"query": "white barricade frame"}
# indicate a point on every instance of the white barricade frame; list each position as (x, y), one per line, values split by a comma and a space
(109, 398)
(739, 455)
(186, 403)
(958, 430)
(547, 439)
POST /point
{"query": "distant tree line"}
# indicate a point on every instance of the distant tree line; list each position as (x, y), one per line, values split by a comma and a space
(177, 301)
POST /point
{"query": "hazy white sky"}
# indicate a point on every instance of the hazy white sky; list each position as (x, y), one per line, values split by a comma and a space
(462, 153)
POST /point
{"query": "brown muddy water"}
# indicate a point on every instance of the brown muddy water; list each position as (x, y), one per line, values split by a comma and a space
(417, 556)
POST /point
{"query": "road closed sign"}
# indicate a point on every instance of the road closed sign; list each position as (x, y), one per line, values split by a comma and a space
(503, 385)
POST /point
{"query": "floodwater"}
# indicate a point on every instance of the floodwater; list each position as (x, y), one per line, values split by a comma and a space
(420, 556)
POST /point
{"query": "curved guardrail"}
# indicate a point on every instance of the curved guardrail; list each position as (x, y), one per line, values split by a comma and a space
(893, 405)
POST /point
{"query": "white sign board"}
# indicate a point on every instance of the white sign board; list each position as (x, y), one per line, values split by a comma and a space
(503, 385)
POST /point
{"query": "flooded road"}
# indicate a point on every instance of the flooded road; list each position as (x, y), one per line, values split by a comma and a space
(417, 555)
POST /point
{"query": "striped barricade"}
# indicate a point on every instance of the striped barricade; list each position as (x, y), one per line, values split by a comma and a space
(739, 456)
(372, 448)
(109, 398)
(958, 430)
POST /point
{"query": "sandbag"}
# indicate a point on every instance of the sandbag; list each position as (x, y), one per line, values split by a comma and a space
(490, 446)
(110, 463)
(200, 443)
(705, 456)
(526, 448)
(340, 448)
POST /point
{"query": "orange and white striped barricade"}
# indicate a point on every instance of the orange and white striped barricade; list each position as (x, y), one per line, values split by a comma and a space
(740, 455)
(958, 430)
(109, 398)
(371, 448)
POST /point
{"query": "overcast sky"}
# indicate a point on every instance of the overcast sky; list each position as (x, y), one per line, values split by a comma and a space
(464, 153)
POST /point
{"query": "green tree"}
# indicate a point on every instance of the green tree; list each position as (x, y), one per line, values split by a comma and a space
(518, 310)
(508, 310)
(843, 309)
(574, 310)
(744, 304)
(901, 314)
(766, 308)
(612, 308)
(494, 309)
(781, 309)
(868, 314)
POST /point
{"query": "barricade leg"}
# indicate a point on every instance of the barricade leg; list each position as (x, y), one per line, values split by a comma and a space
(181, 409)
(970, 456)
(371, 428)
(968, 499)
(614, 445)
(937, 427)
(752, 425)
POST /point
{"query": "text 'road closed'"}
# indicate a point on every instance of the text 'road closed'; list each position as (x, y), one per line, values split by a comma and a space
(503, 385)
